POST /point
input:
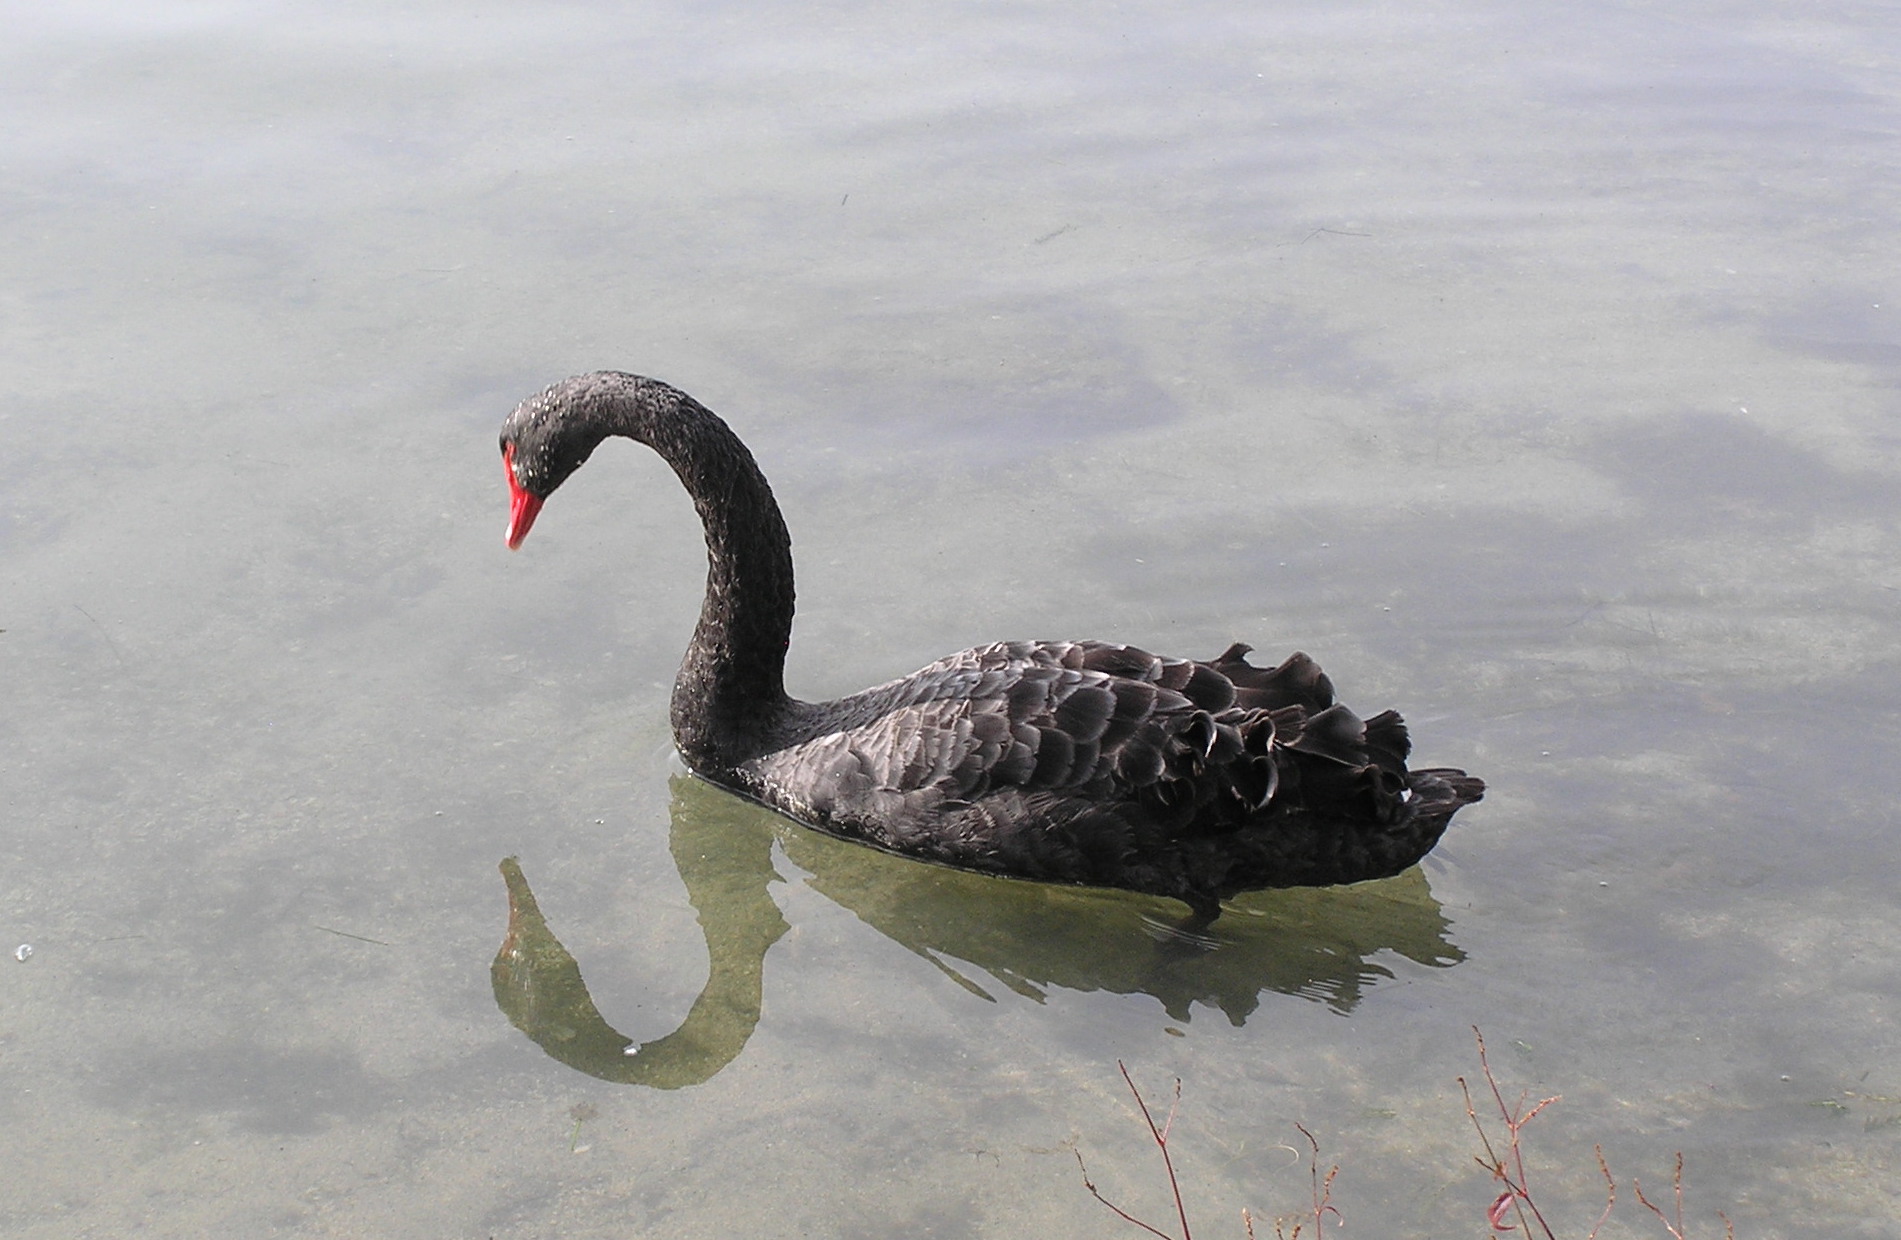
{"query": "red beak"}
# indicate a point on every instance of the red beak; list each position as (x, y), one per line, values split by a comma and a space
(522, 507)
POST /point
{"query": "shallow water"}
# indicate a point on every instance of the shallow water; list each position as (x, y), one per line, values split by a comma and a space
(1532, 367)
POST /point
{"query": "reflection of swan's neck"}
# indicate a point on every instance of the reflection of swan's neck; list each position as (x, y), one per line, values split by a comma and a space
(538, 984)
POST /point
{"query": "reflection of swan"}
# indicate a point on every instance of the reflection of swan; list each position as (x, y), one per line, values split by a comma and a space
(1026, 937)
(538, 984)
(1068, 762)
(1033, 938)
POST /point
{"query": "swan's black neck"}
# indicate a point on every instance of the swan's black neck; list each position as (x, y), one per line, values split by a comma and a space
(729, 699)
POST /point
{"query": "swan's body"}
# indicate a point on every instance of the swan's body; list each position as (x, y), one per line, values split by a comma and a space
(1072, 762)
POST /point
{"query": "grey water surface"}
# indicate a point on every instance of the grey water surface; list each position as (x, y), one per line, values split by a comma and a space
(1533, 366)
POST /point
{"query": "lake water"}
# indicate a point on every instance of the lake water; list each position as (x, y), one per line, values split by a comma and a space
(1532, 366)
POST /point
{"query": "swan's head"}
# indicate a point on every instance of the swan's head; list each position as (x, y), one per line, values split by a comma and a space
(548, 437)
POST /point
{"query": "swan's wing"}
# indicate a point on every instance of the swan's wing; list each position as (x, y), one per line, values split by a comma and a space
(1205, 744)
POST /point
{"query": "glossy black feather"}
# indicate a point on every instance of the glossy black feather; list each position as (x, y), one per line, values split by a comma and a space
(1076, 762)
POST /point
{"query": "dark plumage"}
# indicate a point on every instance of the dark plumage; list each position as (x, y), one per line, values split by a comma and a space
(1071, 762)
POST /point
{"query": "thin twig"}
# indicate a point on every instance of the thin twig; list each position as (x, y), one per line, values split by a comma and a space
(1610, 1191)
(1161, 1139)
(361, 938)
(1160, 1136)
(1518, 1194)
(112, 645)
(1123, 1214)
(1321, 1191)
(1676, 1232)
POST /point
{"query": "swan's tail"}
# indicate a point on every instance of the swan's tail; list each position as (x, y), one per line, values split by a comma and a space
(1442, 791)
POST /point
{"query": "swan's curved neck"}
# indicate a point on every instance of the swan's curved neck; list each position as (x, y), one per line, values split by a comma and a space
(730, 694)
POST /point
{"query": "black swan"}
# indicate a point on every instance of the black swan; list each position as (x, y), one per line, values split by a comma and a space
(1068, 762)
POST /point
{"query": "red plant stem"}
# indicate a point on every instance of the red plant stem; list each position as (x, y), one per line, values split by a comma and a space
(1610, 1188)
(1161, 1141)
(1120, 1212)
(1514, 1120)
(1676, 1231)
